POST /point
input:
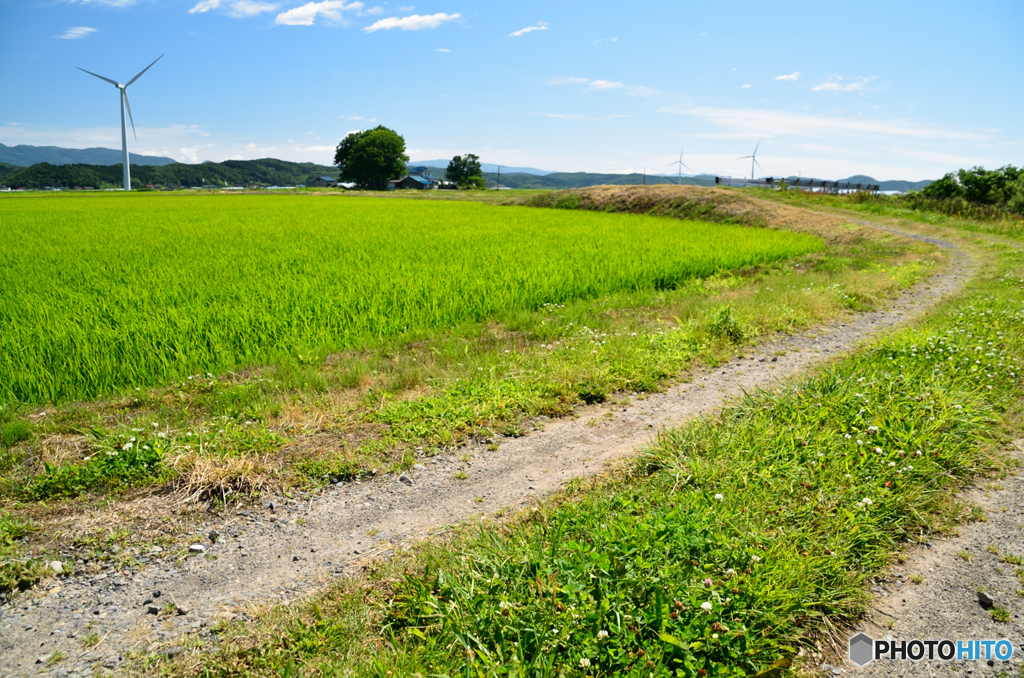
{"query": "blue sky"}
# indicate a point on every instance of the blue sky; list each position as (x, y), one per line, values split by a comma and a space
(905, 89)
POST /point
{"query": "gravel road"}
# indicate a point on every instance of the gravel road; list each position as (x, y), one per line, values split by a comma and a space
(287, 548)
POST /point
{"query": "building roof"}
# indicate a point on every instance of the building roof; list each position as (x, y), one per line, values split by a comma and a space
(327, 179)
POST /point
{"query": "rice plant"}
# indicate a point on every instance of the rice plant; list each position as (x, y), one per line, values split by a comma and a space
(100, 294)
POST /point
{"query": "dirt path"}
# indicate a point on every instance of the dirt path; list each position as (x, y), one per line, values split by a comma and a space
(283, 550)
(945, 605)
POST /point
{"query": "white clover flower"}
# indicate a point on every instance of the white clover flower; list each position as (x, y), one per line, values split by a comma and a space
(584, 663)
(706, 606)
(755, 559)
(127, 446)
(719, 497)
(714, 636)
(602, 634)
(847, 436)
(860, 442)
(878, 450)
(503, 605)
(892, 464)
(730, 572)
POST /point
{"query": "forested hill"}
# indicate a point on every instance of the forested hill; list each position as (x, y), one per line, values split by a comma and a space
(265, 172)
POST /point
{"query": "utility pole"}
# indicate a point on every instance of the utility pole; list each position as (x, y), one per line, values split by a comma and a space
(645, 176)
(497, 186)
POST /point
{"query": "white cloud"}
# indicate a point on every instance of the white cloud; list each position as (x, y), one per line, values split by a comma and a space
(541, 26)
(77, 33)
(244, 8)
(600, 40)
(744, 86)
(107, 3)
(413, 22)
(238, 8)
(633, 91)
(834, 86)
(331, 10)
(442, 49)
(767, 124)
(947, 159)
(792, 77)
(204, 6)
(407, 8)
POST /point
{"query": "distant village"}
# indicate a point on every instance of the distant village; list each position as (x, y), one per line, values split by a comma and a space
(418, 178)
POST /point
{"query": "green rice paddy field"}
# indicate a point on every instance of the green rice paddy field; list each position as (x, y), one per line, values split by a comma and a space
(99, 294)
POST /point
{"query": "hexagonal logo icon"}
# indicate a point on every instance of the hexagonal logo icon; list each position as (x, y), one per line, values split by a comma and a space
(862, 649)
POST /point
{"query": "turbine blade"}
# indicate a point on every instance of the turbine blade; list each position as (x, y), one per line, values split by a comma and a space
(144, 70)
(124, 93)
(758, 164)
(684, 165)
(746, 157)
(112, 82)
(755, 147)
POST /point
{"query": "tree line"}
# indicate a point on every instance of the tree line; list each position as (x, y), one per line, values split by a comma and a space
(1001, 188)
(265, 172)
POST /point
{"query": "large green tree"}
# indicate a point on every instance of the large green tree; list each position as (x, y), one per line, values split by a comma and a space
(371, 158)
(465, 172)
(987, 187)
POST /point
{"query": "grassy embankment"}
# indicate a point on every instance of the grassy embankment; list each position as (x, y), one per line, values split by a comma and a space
(950, 214)
(735, 542)
(309, 415)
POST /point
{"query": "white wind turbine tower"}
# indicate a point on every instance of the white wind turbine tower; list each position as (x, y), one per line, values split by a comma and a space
(679, 178)
(124, 105)
(753, 160)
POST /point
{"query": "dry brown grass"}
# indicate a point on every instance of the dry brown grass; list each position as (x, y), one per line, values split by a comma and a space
(707, 204)
(204, 479)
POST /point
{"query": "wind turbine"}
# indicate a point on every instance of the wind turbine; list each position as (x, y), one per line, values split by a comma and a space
(679, 178)
(124, 105)
(753, 160)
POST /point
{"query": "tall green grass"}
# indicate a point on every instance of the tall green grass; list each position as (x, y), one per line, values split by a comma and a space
(741, 539)
(103, 293)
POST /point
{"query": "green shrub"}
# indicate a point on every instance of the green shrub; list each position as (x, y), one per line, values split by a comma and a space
(14, 432)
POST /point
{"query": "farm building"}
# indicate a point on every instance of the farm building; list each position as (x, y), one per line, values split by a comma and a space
(324, 182)
(413, 181)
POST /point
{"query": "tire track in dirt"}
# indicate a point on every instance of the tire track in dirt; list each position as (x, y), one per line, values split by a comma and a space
(286, 549)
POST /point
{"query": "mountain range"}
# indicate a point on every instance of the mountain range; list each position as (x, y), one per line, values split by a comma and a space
(26, 156)
(41, 166)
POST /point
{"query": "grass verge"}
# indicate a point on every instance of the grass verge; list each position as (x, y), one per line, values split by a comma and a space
(304, 422)
(308, 421)
(738, 541)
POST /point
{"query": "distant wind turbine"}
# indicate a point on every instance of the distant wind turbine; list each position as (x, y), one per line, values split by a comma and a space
(679, 177)
(753, 160)
(124, 105)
